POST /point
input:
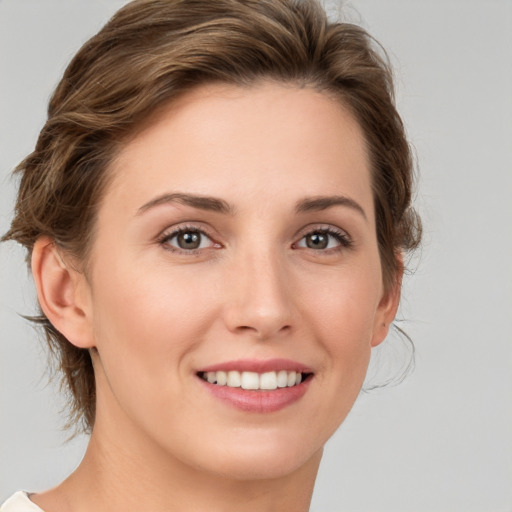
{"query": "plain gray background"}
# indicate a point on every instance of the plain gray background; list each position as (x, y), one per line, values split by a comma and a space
(440, 441)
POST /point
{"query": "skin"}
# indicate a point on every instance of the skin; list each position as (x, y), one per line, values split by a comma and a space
(153, 314)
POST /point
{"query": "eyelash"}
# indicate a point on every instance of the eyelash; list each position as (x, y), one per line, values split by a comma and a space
(344, 240)
(167, 236)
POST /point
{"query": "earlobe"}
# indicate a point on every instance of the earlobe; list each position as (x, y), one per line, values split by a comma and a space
(387, 309)
(63, 293)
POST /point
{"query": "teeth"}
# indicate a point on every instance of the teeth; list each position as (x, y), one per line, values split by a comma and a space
(234, 379)
(253, 380)
(268, 380)
(222, 378)
(291, 378)
(250, 380)
(282, 379)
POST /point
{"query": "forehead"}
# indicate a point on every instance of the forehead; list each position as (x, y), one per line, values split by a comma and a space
(259, 140)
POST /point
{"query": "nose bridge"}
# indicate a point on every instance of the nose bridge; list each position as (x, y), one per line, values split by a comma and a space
(261, 301)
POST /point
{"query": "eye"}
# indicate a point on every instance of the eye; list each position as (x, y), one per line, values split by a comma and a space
(324, 239)
(187, 239)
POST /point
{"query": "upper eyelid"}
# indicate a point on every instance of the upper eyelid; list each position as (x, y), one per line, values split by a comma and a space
(168, 234)
(322, 227)
(343, 238)
(199, 226)
(191, 226)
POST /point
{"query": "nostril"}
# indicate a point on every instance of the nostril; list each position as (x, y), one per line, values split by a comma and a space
(264, 332)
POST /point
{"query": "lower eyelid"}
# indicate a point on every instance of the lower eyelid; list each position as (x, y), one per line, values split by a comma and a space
(341, 237)
(210, 241)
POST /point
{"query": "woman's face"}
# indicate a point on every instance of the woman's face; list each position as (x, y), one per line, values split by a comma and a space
(236, 242)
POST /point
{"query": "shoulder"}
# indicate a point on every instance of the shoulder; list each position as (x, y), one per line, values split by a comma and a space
(19, 502)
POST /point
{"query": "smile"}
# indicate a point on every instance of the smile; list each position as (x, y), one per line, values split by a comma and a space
(257, 386)
(266, 381)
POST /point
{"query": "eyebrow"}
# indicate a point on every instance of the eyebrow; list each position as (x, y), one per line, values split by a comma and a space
(208, 203)
(319, 203)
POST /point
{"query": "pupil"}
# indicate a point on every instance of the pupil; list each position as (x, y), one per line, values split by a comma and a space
(317, 241)
(189, 240)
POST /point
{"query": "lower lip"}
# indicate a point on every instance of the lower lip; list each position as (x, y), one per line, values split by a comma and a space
(259, 401)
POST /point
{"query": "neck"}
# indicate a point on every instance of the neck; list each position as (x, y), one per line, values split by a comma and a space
(120, 475)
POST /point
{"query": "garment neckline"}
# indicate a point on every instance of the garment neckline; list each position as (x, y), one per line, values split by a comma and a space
(22, 498)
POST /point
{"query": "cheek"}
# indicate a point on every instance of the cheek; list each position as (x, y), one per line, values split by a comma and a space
(347, 302)
(148, 301)
(343, 315)
(142, 319)
(146, 326)
(345, 318)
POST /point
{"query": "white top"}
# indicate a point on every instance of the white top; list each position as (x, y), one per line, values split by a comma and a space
(19, 502)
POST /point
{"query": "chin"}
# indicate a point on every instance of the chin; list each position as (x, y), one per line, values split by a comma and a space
(261, 455)
(265, 466)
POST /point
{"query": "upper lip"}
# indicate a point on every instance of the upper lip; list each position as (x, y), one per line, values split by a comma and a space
(258, 366)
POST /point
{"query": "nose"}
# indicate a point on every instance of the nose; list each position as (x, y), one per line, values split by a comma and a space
(260, 298)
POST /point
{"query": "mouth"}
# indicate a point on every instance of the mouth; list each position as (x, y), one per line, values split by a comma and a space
(254, 381)
(257, 386)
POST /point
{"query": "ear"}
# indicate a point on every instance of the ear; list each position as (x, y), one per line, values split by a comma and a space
(63, 293)
(388, 306)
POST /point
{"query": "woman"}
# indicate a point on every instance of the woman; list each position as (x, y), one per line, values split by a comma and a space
(216, 213)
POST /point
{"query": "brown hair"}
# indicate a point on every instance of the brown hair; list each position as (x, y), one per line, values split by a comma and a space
(150, 52)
